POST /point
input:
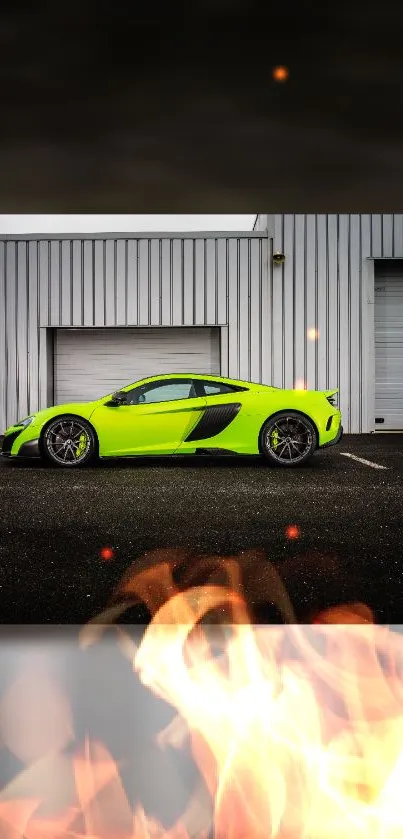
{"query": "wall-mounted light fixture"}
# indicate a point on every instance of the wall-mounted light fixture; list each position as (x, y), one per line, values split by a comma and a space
(278, 257)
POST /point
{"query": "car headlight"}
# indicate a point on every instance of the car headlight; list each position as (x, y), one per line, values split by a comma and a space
(25, 422)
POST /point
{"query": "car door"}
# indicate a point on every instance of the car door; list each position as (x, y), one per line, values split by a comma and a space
(155, 419)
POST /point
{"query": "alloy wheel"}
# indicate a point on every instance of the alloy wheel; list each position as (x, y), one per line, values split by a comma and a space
(288, 440)
(68, 441)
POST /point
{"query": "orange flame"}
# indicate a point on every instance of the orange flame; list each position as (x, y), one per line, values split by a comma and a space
(297, 730)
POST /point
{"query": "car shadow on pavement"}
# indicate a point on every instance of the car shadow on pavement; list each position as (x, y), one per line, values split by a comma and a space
(315, 464)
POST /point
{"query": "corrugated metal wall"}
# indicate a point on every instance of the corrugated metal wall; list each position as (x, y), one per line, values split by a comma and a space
(119, 281)
(228, 280)
(326, 284)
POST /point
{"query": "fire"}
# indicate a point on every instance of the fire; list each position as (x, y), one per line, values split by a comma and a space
(297, 730)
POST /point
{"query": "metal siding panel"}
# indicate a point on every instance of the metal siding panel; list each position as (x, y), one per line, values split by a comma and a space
(44, 313)
(199, 292)
(233, 290)
(132, 282)
(211, 281)
(33, 336)
(311, 299)
(22, 329)
(387, 234)
(77, 282)
(376, 224)
(222, 280)
(120, 260)
(11, 321)
(321, 340)
(188, 267)
(255, 312)
(224, 351)
(3, 343)
(88, 303)
(43, 368)
(277, 307)
(266, 319)
(333, 304)
(243, 310)
(155, 285)
(144, 290)
(299, 283)
(166, 314)
(288, 301)
(398, 235)
(177, 283)
(344, 321)
(66, 289)
(99, 283)
(110, 283)
(55, 280)
(355, 324)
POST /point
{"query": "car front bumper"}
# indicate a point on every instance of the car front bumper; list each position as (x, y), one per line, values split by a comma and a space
(29, 449)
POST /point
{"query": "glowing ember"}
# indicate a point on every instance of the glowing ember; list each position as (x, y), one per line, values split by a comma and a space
(292, 531)
(313, 334)
(106, 553)
(280, 73)
(297, 730)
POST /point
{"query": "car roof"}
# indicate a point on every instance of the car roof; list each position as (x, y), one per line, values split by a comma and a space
(201, 376)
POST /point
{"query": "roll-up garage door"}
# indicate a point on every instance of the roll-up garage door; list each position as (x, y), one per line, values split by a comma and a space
(389, 346)
(91, 363)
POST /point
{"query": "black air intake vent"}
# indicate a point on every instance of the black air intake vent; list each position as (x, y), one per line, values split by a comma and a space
(215, 418)
(9, 440)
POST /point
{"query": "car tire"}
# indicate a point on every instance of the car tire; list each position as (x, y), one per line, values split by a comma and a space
(69, 441)
(288, 439)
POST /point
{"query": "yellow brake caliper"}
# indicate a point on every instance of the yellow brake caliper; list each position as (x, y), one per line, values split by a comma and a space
(274, 438)
(81, 445)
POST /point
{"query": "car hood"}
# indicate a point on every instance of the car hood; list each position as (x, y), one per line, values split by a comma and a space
(82, 409)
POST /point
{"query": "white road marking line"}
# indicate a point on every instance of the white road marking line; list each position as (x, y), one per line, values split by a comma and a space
(362, 460)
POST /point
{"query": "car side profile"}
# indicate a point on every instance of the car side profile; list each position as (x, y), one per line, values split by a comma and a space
(182, 414)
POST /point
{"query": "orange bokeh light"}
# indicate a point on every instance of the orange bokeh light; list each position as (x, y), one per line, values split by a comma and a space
(280, 73)
(313, 333)
(107, 553)
(292, 531)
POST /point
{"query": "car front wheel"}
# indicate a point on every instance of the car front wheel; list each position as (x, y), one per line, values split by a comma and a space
(69, 441)
(288, 439)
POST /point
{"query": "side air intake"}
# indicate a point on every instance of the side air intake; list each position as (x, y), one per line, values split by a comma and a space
(214, 420)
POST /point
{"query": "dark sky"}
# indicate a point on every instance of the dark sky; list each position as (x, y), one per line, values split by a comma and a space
(134, 107)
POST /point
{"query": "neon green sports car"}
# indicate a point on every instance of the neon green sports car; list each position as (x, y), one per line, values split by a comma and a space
(182, 414)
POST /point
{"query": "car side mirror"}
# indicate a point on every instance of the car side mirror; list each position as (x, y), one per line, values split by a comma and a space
(117, 399)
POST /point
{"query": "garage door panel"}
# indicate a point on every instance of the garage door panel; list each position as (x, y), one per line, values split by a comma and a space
(389, 346)
(90, 363)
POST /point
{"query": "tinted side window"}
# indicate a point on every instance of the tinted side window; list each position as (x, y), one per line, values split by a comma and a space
(160, 392)
(218, 388)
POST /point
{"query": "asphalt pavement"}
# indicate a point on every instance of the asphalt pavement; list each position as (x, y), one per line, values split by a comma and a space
(346, 543)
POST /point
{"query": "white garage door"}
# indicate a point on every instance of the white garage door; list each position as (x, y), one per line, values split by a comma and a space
(389, 347)
(90, 363)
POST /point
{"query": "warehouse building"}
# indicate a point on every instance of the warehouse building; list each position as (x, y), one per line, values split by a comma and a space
(300, 301)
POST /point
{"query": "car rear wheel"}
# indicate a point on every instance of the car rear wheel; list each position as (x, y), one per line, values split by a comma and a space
(69, 441)
(288, 439)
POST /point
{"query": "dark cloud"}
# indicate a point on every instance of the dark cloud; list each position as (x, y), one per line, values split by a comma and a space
(141, 108)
